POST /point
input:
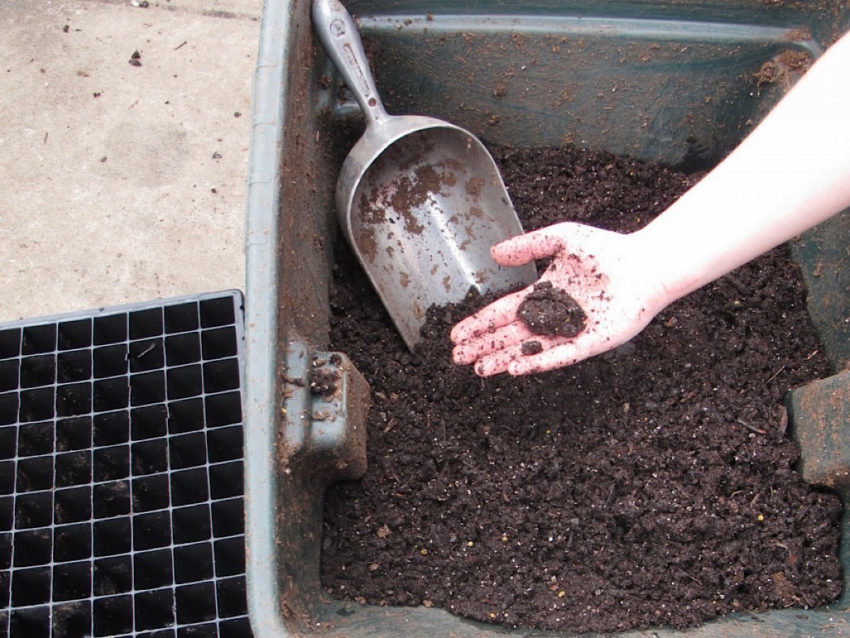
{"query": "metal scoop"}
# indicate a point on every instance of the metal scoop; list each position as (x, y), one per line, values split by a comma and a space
(420, 200)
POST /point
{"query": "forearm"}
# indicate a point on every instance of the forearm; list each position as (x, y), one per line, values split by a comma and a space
(792, 172)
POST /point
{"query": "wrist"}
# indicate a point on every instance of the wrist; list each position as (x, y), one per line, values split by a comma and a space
(662, 273)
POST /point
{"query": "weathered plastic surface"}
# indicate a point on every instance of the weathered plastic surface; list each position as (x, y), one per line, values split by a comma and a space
(680, 82)
(822, 408)
(819, 416)
(824, 257)
(819, 412)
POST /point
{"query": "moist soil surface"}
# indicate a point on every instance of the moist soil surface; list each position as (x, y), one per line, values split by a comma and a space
(652, 485)
(551, 311)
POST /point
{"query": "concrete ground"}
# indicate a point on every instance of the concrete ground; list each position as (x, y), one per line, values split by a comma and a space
(124, 135)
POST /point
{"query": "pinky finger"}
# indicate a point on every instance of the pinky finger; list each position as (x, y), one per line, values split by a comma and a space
(495, 363)
(557, 356)
(502, 360)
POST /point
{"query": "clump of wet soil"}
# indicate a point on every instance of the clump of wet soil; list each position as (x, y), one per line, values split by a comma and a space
(551, 312)
(653, 485)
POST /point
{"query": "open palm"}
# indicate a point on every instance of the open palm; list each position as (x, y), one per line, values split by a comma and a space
(602, 270)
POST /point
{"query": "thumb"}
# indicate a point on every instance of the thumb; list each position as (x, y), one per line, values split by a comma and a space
(522, 249)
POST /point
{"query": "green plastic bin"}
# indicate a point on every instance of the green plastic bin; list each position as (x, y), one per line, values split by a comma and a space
(681, 82)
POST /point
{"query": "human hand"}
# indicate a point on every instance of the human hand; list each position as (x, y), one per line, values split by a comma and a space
(605, 272)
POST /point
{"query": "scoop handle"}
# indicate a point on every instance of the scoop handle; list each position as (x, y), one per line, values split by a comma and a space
(339, 36)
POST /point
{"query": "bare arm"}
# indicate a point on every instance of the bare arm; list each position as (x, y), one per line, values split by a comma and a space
(790, 173)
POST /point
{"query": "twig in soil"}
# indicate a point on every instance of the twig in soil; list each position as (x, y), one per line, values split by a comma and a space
(696, 580)
(783, 421)
(390, 424)
(752, 428)
(775, 374)
(738, 285)
(690, 395)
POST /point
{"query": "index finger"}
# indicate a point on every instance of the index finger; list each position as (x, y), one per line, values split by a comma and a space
(522, 249)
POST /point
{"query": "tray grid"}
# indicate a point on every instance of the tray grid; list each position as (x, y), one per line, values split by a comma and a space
(121, 488)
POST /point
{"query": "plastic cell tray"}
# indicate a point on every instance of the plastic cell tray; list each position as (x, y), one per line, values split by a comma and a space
(121, 491)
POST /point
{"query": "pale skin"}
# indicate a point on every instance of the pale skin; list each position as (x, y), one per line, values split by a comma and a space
(789, 174)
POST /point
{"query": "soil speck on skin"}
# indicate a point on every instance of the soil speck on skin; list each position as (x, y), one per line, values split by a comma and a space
(531, 347)
(551, 312)
(623, 492)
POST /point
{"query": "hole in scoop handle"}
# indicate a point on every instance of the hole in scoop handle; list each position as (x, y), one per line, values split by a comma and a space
(339, 36)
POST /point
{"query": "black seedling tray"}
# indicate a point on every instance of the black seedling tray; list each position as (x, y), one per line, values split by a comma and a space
(121, 493)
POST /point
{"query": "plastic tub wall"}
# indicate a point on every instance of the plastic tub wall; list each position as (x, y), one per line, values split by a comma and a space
(680, 82)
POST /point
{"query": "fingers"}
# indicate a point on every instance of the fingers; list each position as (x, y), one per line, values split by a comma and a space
(555, 354)
(523, 249)
(501, 360)
(555, 357)
(484, 344)
(492, 339)
(516, 251)
(490, 318)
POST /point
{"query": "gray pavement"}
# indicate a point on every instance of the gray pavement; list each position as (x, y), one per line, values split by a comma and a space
(119, 181)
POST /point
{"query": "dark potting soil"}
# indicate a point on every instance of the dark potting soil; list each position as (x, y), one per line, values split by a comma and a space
(652, 485)
(551, 311)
